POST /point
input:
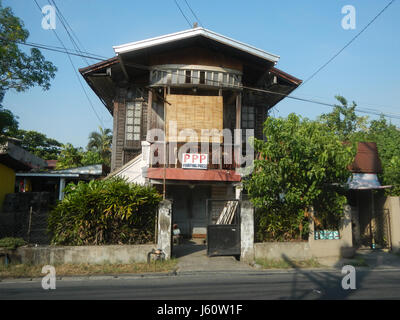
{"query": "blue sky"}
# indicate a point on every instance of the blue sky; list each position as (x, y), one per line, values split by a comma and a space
(305, 34)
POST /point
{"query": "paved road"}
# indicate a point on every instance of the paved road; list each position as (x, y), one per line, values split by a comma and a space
(384, 284)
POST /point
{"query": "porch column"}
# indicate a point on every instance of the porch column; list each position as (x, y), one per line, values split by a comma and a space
(246, 231)
(164, 227)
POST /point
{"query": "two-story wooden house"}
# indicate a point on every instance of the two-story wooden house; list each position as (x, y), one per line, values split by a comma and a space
(195, 80)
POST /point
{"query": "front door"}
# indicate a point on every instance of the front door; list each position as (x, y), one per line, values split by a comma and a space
(189, 209)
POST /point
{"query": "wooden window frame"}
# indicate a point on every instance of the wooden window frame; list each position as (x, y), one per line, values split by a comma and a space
(133, 120)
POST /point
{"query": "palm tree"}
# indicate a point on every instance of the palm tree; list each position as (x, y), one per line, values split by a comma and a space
(101, 142)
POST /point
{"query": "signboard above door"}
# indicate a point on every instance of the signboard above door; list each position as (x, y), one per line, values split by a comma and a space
(194, 161)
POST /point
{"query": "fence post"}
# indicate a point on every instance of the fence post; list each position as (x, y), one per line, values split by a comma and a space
(246, 231)
(164, 237)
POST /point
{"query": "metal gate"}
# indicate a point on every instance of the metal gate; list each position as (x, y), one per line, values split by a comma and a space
(382, 229)
(376, 230)
(223, 229)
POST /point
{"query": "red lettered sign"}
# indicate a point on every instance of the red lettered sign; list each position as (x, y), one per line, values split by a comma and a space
(194, 161)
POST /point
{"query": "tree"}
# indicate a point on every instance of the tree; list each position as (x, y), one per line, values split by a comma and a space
(19, 70)
(39, 144)
(100, 142)
(302, 164)
(70, 157)
(343, 120)
(387, 138)
(90, 157)
(8, 124)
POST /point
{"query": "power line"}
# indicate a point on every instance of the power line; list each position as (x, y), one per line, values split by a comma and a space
(143, 67)
(180, 9)
(57, 49)
(366, 104)
(194, 14)
(362, 110)
(72, 31)
(73, 67)
(65, 23)
(348, 44)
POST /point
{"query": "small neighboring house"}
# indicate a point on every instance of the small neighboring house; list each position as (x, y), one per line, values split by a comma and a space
(12, 160)
(370, 212)
(22, 171)
(56, 180)
(194, 79)
(28, 189)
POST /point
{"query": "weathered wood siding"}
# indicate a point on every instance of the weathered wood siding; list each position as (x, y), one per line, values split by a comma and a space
(261, 111)
(123, 151)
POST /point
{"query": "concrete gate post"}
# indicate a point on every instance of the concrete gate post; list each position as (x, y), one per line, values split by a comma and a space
(394, 211)
(247, 231)
(346, 231)
(164, 227)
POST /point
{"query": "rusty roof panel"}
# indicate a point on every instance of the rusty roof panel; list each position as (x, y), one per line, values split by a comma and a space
(367, 159)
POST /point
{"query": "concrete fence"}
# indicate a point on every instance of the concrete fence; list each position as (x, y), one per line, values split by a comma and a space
(278, 250)
(123, 254)
(324, 250)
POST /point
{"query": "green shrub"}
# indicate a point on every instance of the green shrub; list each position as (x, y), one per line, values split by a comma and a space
(104, 212)
(11, 243)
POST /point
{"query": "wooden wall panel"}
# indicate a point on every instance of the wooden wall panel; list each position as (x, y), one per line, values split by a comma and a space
(122, 150)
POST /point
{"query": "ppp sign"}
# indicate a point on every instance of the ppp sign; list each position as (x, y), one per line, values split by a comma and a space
(194, 161)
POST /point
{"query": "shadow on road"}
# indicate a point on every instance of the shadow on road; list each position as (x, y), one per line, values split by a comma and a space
(328, 285)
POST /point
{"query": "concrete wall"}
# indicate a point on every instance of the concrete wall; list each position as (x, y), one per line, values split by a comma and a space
(279, 250)
(334, 249)
(83, 254)
(326, 251)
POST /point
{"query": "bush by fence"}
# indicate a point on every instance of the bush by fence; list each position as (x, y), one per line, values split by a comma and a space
(104, 212)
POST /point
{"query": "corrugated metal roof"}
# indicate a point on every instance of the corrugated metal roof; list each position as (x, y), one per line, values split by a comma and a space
(361, 181)
(195, 32)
